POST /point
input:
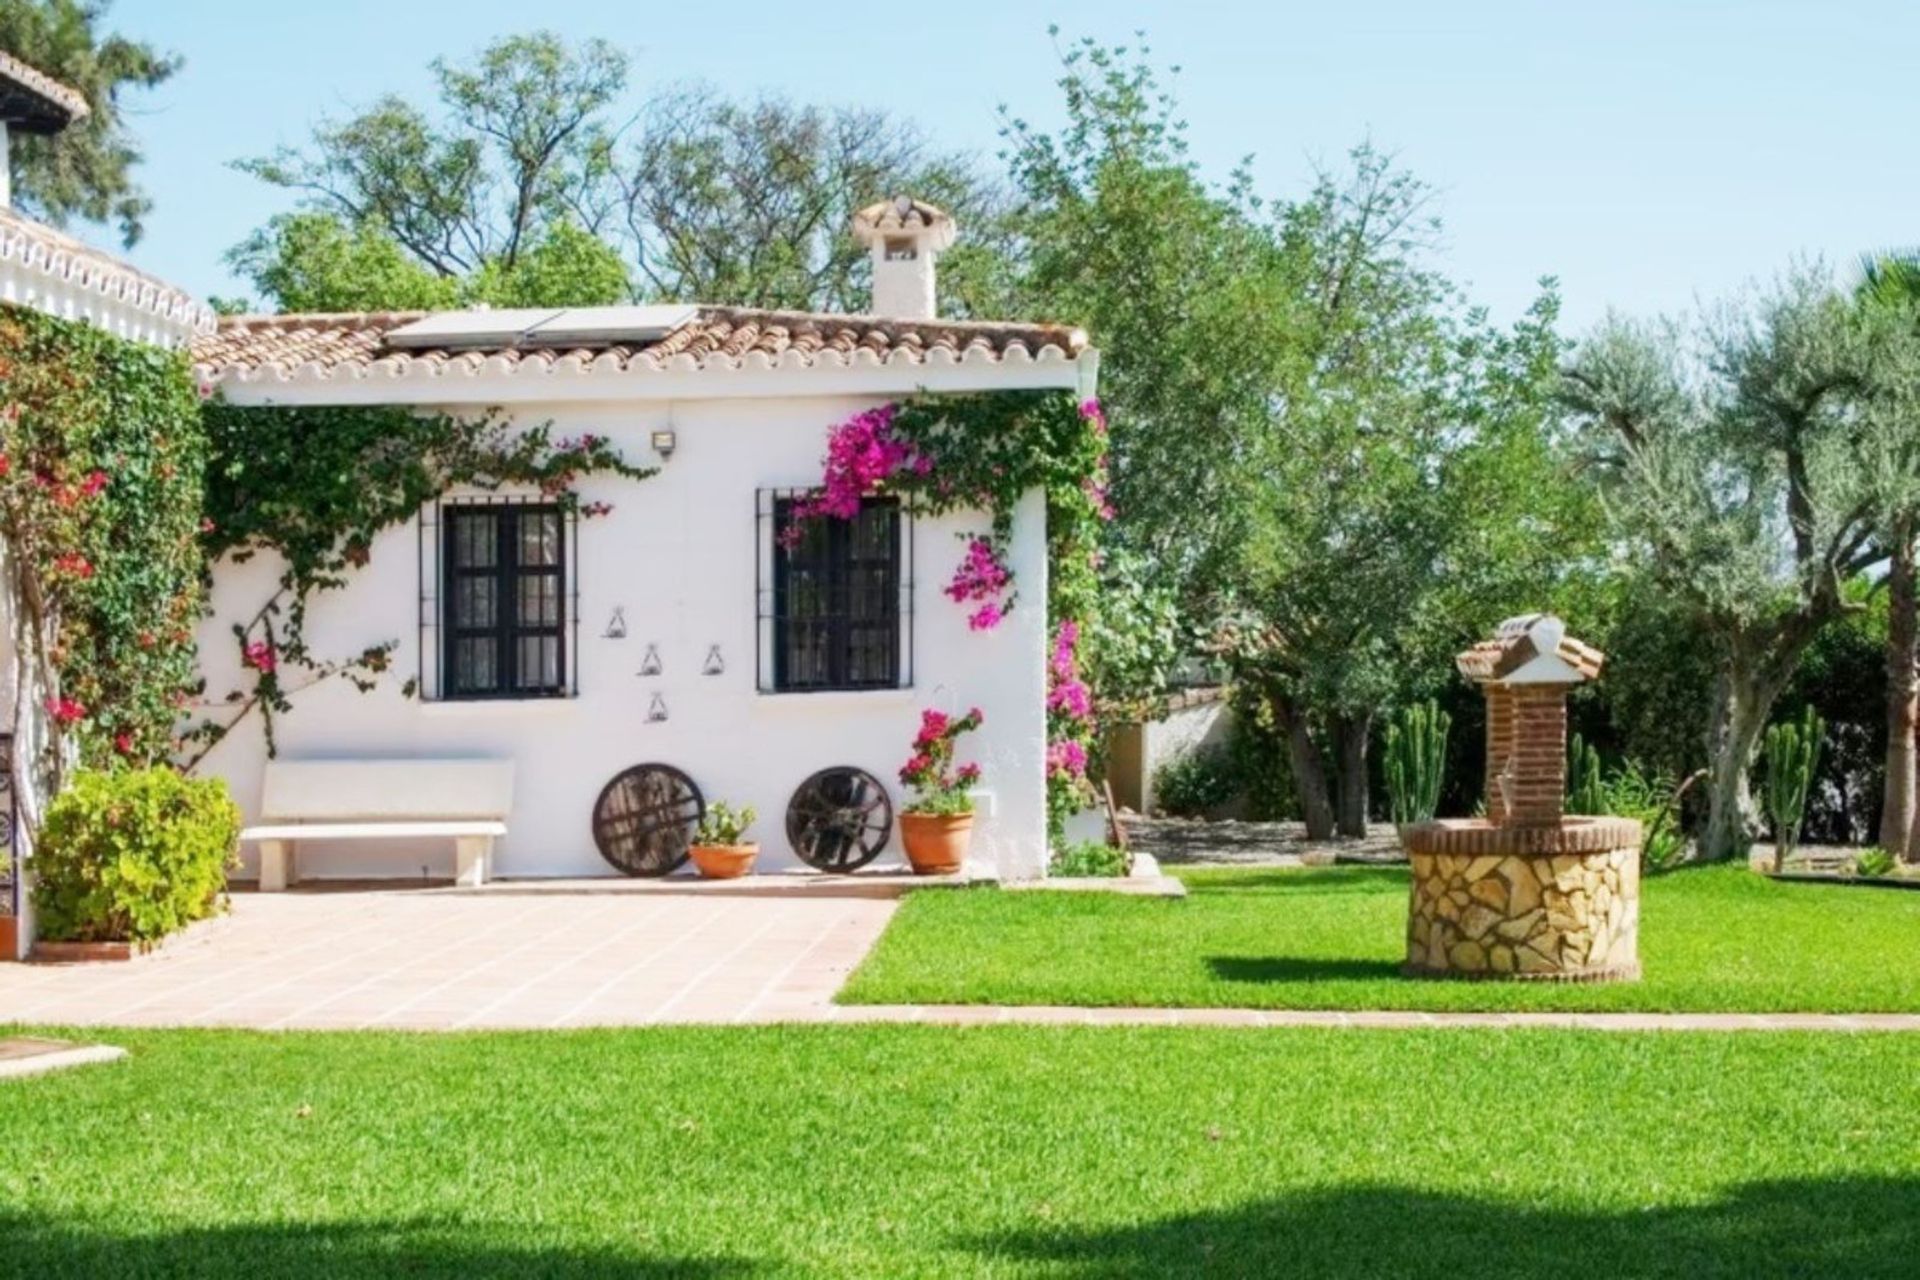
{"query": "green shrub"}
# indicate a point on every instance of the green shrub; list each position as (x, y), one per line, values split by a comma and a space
(1195, 784)
(133, 855)
(1653, 802)
(1873, 863)
(1087, 859)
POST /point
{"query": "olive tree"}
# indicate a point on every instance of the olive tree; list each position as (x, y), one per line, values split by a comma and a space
(1737, 470)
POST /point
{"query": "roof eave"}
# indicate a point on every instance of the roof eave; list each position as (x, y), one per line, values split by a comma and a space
(502, 383)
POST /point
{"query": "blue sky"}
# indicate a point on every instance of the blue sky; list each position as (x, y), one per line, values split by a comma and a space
(1645, 153)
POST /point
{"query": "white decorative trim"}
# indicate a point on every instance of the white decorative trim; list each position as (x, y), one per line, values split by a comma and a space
(49, 271)
(496, 380)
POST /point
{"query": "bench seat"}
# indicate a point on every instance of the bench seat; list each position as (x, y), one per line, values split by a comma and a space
(463, 800)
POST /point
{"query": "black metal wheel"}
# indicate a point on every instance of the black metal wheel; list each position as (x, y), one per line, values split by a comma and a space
(839, 819)
(644, 820)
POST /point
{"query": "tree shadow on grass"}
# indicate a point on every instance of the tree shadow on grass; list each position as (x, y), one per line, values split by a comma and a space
(1291, 969)
(52, 1246)
(1857, 1227)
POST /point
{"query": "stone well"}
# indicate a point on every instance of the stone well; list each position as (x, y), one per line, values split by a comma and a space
(1528, 892)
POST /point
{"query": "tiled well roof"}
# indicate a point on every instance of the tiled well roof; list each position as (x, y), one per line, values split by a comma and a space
(34, 101)
(355, 344)
(1491, 661)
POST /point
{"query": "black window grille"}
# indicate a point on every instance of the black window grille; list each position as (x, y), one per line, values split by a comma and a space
(507, 605)
(837, 614)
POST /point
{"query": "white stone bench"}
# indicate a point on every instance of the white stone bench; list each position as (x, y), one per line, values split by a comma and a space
(466, 801)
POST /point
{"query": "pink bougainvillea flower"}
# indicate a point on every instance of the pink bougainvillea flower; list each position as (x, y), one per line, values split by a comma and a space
(95, 482)
(65, 711)
(1073, 697)
(73, 565)
(1067, 758)
(123, 743)
(259, 656)
(985, 618)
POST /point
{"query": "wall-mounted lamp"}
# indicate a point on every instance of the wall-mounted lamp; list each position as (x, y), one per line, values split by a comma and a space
(663, 444)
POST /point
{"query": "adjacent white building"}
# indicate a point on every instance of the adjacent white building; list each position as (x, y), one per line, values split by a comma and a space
(50, 271)
(677, 630)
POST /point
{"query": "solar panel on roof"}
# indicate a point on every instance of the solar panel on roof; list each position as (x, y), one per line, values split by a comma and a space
(503, 328)
(588, 325)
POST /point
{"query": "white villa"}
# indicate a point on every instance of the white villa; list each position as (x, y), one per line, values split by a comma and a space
(552, 655)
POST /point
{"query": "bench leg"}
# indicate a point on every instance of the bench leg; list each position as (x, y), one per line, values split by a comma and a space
(473, 860)
(276, 865)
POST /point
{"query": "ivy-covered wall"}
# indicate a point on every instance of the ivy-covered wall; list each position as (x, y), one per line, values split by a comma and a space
(102, 462)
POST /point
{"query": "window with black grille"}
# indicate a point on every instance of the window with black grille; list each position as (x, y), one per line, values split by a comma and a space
(504, 588)
(837, 598)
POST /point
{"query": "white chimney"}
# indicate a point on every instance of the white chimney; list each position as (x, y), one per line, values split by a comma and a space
(905, 237)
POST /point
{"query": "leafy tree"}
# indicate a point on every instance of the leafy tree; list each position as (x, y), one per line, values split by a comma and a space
(1408, 492)
(751, 202)
(85, 171)
(1115, 228)
(1891, 283)
(522, 143)
(520, 186)
(1343, 470)
(314, 261)
(569, 267)
(1744, 490)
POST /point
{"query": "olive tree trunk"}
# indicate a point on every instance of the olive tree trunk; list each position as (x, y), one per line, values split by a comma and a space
(1309, 773)
(1903, 699)
(1350, 734)
(1744, 696)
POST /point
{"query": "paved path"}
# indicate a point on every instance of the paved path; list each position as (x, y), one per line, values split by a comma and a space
(445, 960)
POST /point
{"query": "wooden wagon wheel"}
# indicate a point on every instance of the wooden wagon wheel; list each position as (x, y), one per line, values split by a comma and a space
(644, 820)
(839, 819)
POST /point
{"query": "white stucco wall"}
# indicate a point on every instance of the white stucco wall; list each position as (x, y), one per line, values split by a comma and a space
(678, 556)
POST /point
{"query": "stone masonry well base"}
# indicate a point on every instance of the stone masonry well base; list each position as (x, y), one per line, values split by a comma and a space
(1552, 903)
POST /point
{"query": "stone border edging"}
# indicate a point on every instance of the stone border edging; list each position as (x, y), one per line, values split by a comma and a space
(78, 1055)
(1387, 1019)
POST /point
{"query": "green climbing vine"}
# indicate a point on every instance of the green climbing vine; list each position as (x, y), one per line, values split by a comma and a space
(317, 486)
(102, 457)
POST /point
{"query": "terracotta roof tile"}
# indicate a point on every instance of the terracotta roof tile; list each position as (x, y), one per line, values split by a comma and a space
(34, 102)
(353, 342)
(1494, 660)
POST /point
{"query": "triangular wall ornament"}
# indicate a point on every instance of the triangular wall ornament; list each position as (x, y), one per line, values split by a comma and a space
(616, 625)
(714, 664)
(650, 665)
(657, 709)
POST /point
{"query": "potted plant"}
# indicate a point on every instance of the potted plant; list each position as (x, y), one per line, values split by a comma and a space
(937, 825)
(720, 847)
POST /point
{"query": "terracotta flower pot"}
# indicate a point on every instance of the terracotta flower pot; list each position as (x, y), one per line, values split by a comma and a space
(724, 861)
(936, 842)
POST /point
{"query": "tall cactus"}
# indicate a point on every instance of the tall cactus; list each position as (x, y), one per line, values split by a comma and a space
(1793, 753)
(1586, 780)
(1416, 762)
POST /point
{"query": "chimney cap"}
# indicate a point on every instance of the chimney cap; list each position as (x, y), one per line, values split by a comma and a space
(904, 216)
(32, 101)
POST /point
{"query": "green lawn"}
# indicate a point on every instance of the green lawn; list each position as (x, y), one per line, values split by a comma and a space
(1713, 938)
(904, 1151)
